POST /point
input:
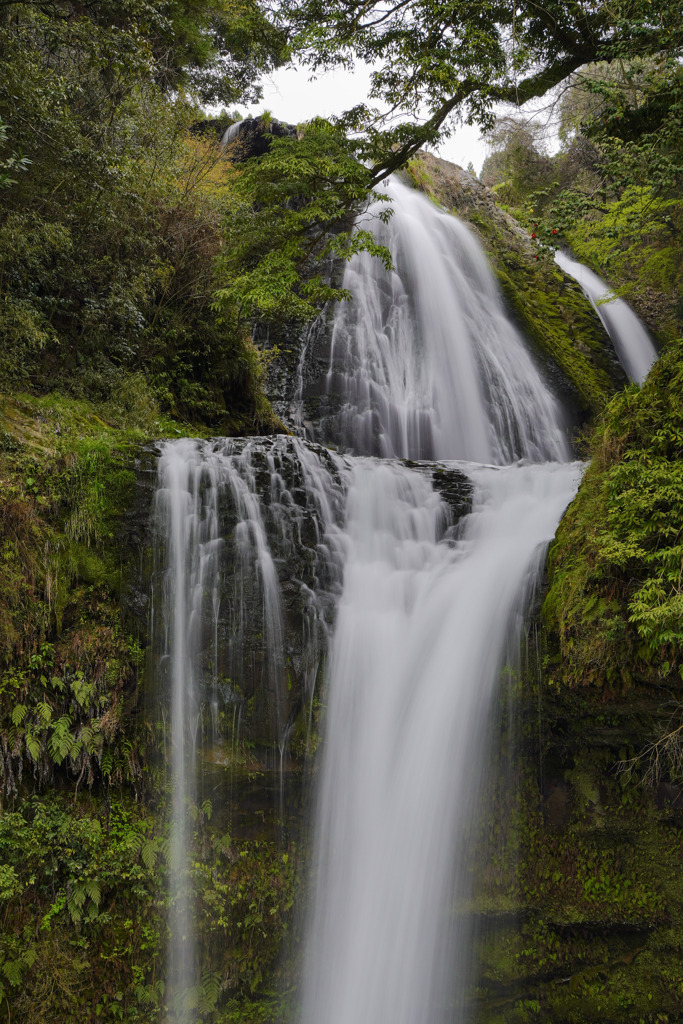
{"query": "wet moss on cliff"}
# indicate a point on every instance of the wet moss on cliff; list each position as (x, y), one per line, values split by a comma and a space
(583, 909)
(84, 833)
(70, 661)
(614, 611)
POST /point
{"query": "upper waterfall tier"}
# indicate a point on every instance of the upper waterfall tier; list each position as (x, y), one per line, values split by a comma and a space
(632, 343)
(425, 361)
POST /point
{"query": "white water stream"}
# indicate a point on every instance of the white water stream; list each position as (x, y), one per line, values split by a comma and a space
(222, 510)
(425, 360)
(632, 343)
(421, 633)
(427, 366)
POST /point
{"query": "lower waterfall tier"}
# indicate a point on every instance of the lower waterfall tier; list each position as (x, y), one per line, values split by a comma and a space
(424, 626)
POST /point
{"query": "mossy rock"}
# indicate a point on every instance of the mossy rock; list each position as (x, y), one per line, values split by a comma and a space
(589, 870)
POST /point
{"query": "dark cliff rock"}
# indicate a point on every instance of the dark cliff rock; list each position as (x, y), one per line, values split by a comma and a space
(251, 137)
(271, 685)
(580, 899)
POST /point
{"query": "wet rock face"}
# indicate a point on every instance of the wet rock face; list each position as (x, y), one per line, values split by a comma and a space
(251, 137)
(578, 882)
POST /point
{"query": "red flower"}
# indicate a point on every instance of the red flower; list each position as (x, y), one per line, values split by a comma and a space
(554, 231)
(536, 255)
(534, 235)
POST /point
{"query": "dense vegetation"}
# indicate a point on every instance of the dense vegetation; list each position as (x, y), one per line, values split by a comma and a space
(135, 257)
(613, 191)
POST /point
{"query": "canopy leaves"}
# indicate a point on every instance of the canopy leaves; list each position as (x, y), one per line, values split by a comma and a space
(437, 61)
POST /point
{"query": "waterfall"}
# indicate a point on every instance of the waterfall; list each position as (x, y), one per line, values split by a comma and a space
(427, 365)
(416, 604)
(421, 632)
(632, 343)
(229, 515)
(425, 360)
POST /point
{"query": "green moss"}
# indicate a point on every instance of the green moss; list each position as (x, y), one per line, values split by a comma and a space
(69, 667)
(634, 244)
(595, 926)
(563, 327)
(554, 314)
(613, 610)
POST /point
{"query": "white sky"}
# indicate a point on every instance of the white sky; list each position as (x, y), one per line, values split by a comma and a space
(290, 96)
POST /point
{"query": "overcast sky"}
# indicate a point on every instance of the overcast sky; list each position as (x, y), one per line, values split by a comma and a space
(290, 96)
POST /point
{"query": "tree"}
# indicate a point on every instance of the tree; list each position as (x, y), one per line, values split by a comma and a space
(290, 213)
(437, 61)
(108, 242)
(517, 163)
(213, 49)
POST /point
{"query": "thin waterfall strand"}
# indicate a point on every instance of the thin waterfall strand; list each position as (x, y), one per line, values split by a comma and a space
(216, 521)
(632, 343)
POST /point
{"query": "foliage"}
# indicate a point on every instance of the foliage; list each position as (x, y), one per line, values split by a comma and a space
(614, 601)
(83, 875)
(12, 164)
(83, 910)
(69, 665)
(77, 873)
(108, 242)
(291, 212)
(635, 242)
(613, 190)
(515, 160)
(433, 60)
(212, 49)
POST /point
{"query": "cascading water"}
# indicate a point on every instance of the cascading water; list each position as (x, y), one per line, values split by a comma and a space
(228, 514)
(426, 366)
(425, 361)
(421, 630)
(632, 343)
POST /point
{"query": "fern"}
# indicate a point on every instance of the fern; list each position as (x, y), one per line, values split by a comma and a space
(149, 853)
(62, 742)
(12, 969)
(19, 714)
(44, 712)
(209, 989)
(33, 746)
(92, 889)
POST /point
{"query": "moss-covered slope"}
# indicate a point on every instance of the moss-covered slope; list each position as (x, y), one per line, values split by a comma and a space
(582, 899)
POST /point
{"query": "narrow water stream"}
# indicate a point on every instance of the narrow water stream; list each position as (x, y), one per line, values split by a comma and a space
(632, 343)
